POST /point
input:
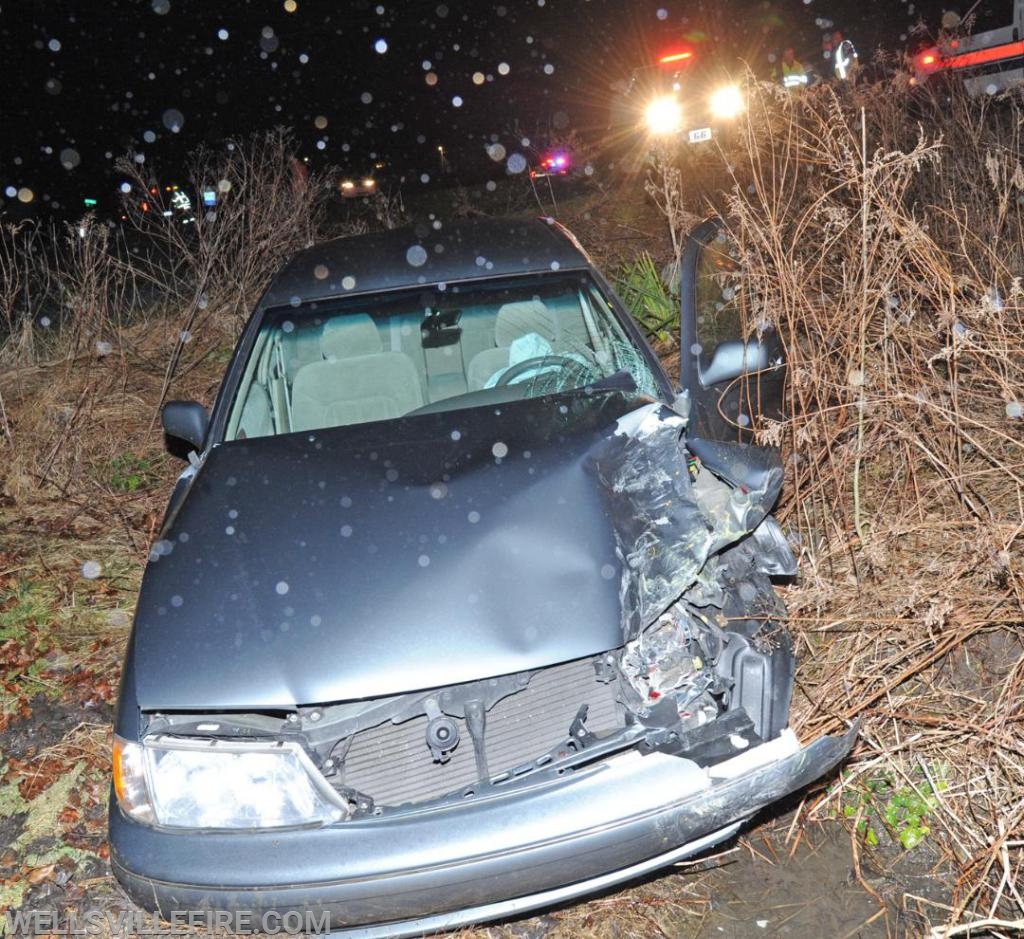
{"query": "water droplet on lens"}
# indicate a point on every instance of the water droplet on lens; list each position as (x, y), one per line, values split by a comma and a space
(173, 119)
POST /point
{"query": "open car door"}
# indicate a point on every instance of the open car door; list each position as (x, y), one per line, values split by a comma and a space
(731, 366)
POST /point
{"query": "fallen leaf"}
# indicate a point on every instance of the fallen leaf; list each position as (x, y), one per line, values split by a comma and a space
(39, 874)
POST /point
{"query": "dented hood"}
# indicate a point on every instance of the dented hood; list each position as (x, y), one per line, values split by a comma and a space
(386, 558)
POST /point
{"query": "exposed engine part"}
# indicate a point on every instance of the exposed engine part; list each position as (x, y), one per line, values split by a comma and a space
(675, 658)
(476, 721)
(442, 738)
(442, 733)
(578, 732)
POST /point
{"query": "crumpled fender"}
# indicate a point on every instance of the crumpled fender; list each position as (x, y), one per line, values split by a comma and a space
(665, 527)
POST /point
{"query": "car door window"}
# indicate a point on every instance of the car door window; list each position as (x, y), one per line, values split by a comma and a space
(719, 294)
(732, 364)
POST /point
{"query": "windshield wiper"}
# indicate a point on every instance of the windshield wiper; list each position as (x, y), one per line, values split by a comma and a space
(622, 380)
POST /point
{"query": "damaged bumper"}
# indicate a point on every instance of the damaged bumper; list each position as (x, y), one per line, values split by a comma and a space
(501, 854)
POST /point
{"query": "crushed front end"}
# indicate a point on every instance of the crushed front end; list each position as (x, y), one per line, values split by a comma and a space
(421, 811)
(490, 798)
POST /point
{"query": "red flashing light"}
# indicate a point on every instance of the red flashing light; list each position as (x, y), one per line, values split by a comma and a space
(675, 57)
(1010, 50)
(153, 190)
(930, 60)
(145, 207)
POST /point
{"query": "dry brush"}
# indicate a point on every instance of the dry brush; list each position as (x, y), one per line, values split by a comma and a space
(882, 233)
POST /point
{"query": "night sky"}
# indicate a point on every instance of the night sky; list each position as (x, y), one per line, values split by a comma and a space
(85, 82)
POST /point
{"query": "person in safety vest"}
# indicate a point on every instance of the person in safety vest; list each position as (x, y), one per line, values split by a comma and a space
(794, 75)
(844, 58)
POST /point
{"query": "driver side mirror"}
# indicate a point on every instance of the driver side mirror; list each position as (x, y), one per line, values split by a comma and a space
(185, 421)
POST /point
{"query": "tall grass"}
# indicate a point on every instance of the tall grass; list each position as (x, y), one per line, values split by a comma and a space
(882, 232)
(62, 289)
(101, 309)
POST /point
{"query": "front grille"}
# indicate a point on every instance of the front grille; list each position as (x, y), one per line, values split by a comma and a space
(393, 765)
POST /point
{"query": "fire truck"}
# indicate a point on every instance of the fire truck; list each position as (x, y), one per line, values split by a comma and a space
(988, 62)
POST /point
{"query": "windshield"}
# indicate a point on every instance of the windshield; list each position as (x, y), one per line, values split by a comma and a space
(385, 356)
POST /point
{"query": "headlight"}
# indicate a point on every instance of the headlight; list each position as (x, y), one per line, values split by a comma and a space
(664, 115)
(188, 783)
(726, 102)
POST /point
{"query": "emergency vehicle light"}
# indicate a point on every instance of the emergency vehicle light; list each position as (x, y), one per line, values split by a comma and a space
(930, 60)
(675, 57)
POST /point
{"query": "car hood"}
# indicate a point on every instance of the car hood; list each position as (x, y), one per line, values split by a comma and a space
(365, 561)
(444, 548)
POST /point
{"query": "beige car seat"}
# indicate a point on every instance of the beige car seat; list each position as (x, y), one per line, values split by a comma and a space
(356, 382)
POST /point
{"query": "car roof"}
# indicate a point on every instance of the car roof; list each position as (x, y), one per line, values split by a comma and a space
(423, 254)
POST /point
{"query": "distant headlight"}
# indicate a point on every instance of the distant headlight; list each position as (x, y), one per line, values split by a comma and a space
(188, 783)
(369, 183)
(726, 102)
(664, 115)
(348, 184)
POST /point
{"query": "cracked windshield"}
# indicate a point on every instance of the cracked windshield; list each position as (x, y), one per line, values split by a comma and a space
(327, 367)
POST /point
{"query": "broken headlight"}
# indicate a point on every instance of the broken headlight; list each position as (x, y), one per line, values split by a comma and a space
(674, 659)
(187, 783)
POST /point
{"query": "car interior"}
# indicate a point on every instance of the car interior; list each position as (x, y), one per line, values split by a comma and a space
(385, 356)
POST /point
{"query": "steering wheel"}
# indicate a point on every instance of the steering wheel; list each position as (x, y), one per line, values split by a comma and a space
(537, 362)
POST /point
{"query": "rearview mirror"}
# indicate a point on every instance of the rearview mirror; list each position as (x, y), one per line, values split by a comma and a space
(185, 420)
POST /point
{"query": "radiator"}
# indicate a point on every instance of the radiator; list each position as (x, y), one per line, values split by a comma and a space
(393, 765)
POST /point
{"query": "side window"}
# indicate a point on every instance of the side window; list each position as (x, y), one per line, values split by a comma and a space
(719, 288)
(736, 368)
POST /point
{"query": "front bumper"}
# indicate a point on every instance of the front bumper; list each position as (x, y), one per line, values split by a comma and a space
(486, 858)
